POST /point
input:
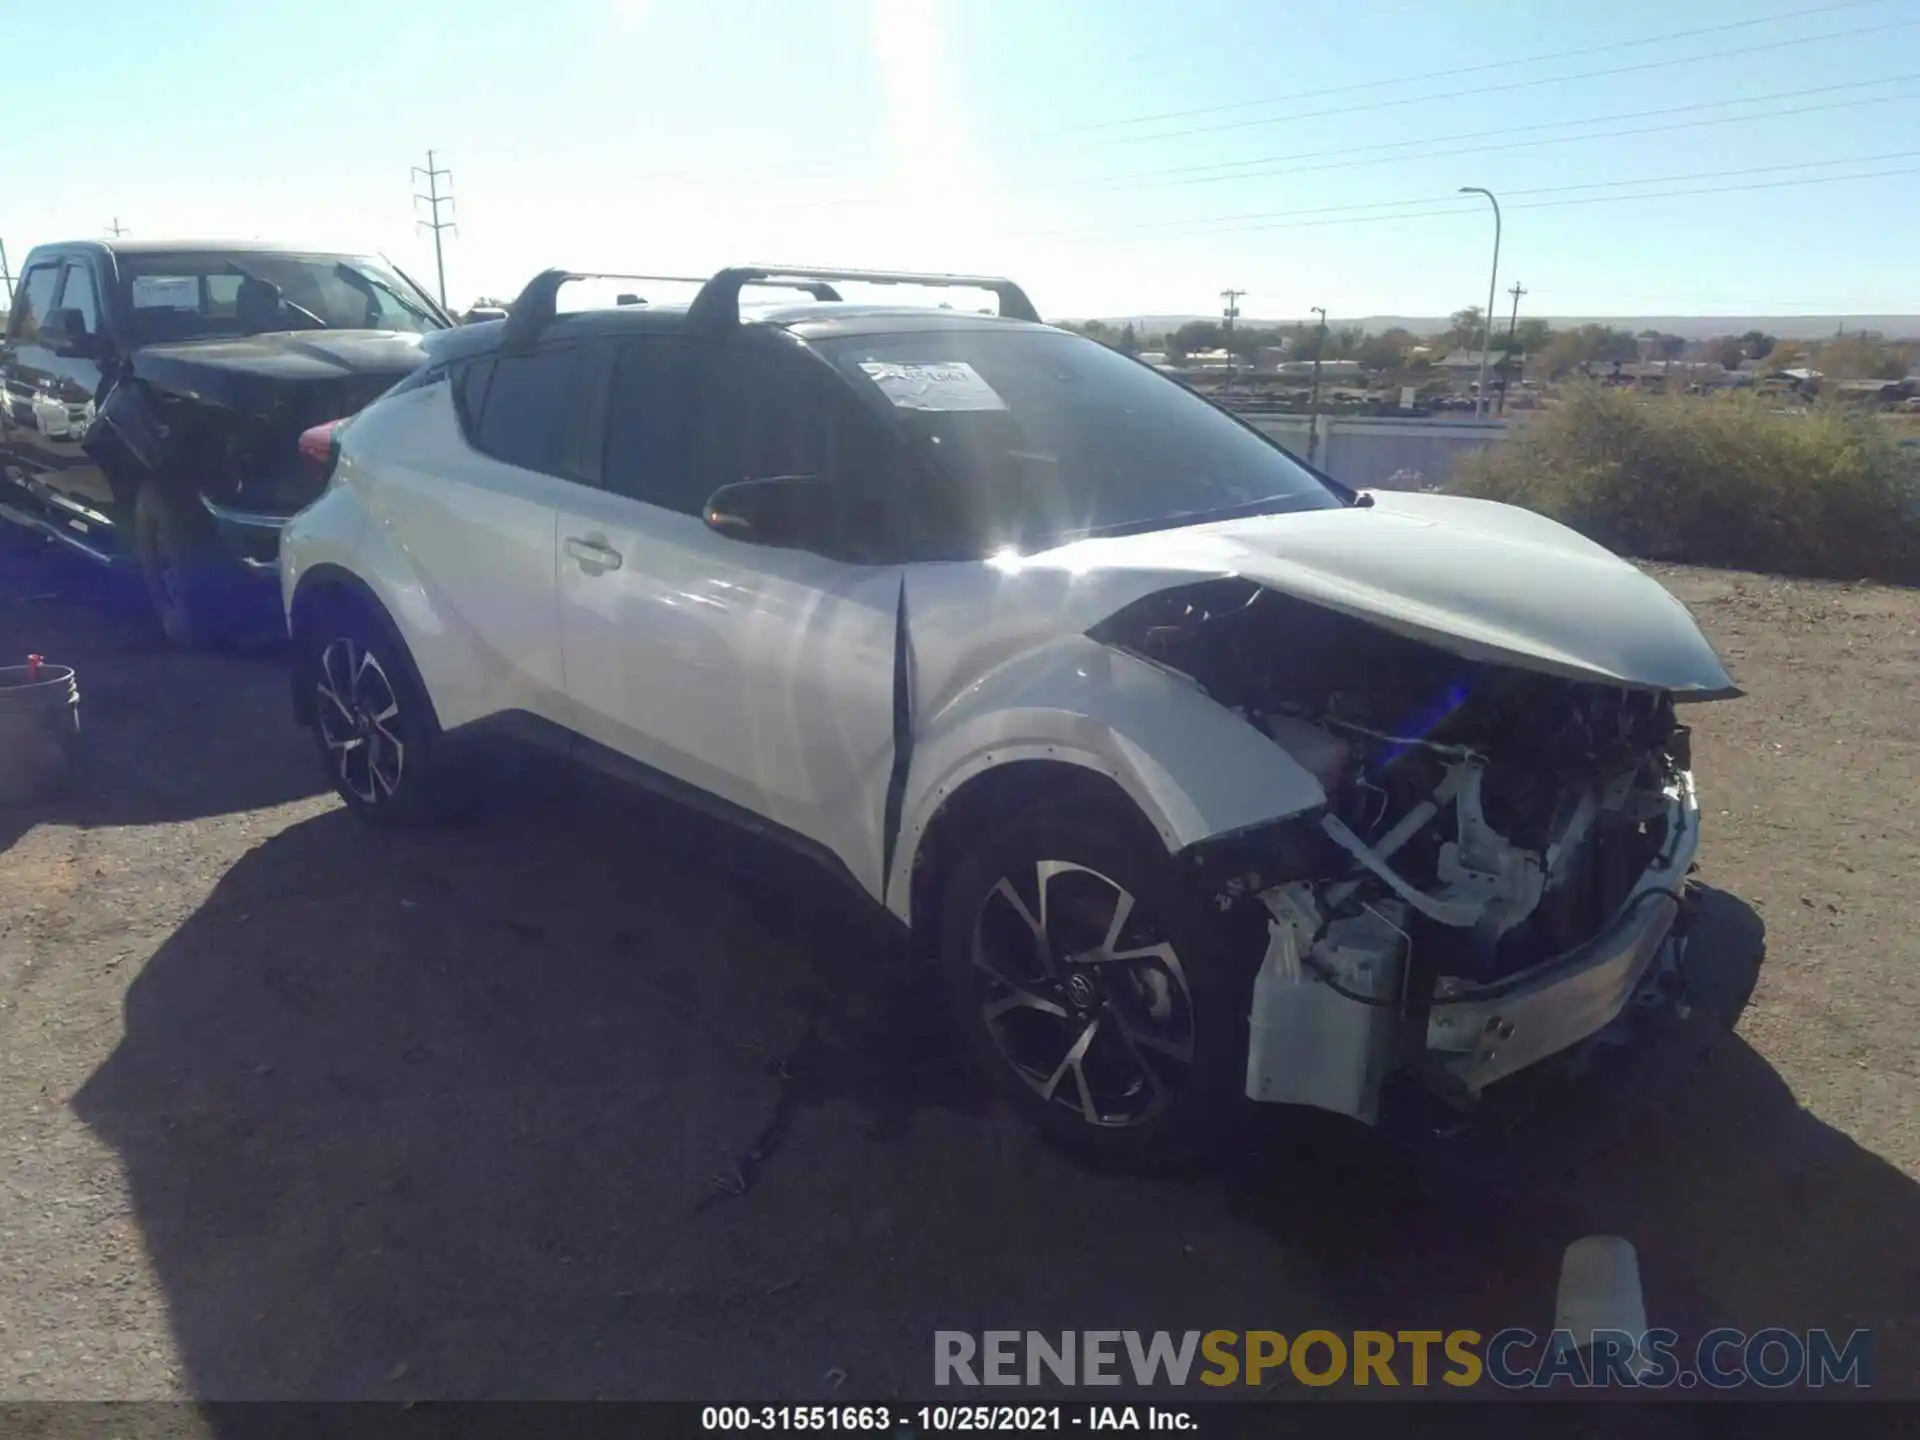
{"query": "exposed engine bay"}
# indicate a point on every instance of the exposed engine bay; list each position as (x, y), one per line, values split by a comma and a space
(1485, 826)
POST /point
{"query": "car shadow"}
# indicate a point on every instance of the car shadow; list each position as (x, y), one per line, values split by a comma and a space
(596, 1100)
(165, 734)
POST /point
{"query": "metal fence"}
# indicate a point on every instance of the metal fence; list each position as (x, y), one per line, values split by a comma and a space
(1383, 452)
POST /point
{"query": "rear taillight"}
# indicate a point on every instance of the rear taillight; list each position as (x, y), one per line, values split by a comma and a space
(320, 449)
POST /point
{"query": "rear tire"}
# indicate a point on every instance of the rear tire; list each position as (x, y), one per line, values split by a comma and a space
(190, 580)
(1112, 1013)
(372, 726)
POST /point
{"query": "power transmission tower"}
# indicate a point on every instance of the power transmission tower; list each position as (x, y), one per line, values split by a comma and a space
(6, 276)
(435, 200)
(117, 229)
(1506, 361)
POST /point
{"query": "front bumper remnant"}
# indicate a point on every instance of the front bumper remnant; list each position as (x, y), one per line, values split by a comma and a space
(1494, 1030)
(1324, 1034)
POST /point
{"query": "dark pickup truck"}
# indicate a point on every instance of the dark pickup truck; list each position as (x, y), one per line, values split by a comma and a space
(156, 393)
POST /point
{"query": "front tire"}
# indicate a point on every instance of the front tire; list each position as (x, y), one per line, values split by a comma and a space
(372, 727)
(189, 577)
(1104, 1002)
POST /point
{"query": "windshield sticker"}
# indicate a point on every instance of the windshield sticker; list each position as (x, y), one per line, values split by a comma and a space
(166, 292)
(948, 385)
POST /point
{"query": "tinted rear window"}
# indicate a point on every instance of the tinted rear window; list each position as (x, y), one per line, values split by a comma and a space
(533, 413)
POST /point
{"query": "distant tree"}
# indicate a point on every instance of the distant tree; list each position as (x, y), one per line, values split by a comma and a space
(1727, 350)
(1786, 355)
(1593, 347)
(1175, 348)
(1196, 335)
(1129, 342)
(1464, 328)
(1860, 357)
(1532, 335)
(1657, 345)
(1385, 351)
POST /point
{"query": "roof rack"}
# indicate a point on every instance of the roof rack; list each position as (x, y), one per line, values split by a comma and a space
(718, 302)
(538, 302)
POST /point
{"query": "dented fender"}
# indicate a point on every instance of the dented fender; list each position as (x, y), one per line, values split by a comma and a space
(1195, 769)
(129, 416)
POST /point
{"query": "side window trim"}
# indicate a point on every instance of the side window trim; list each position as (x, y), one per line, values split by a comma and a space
(588, 443)
(22, 308)
(691, 456)
(76, 267)
(476, 395)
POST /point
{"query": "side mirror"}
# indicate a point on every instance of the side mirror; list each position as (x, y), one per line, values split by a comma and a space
(795, 511)
(65, 333)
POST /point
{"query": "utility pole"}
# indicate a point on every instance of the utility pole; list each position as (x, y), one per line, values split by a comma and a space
(1313, 397)
(1513, 325)
(6, 275)
(435, 200)
(117, 229)
(1231, 311)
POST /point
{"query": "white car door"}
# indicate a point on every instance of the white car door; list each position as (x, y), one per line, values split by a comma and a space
(763, 677)
(469, 494)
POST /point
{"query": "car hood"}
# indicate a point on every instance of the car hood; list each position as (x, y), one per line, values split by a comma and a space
(291, 355)
(1487, 581)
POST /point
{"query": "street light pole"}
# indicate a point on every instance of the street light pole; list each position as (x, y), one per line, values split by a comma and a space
(1313, 399)
(1493, 283)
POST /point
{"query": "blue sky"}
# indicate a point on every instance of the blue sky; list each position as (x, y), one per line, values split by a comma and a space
(1117, 156)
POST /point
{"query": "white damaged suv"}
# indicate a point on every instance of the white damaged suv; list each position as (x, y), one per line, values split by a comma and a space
(1202, 775)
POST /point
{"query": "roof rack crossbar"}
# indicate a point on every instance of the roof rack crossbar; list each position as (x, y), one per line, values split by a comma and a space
(718, 302)
(538, 302)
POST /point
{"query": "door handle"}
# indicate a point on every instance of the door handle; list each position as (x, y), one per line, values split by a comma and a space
(594, 554)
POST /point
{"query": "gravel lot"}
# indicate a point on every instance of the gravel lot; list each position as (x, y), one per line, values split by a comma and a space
(593, 1101)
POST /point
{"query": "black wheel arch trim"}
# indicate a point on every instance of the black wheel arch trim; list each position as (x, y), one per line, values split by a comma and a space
(324, 578)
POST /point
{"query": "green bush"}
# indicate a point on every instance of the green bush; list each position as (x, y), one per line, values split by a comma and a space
(1724, 480)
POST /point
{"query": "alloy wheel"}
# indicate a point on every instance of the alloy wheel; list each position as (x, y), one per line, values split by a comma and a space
(358, 713)
(1083, 995)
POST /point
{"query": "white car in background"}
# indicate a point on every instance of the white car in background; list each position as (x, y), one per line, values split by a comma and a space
(1202, 775)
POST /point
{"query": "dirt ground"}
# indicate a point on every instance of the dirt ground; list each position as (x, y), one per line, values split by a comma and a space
(593, 1101)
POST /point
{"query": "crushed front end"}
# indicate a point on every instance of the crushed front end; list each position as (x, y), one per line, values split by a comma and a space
(1494, 878)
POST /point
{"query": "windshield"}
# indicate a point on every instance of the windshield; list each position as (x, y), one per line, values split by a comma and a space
(207, 294)
(1043, 436)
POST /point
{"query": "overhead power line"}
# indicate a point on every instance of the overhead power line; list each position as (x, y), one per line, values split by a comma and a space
(1511, 85)
(1348, 157)
(809, 163)
(1251, 168)
(1356, 157)
(1457, 70)
(1554, 204)
(1770, 169)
